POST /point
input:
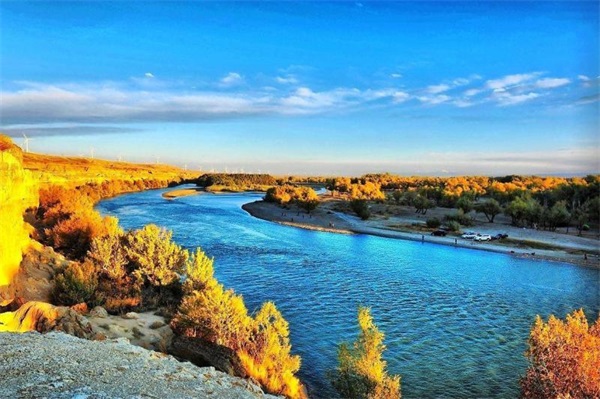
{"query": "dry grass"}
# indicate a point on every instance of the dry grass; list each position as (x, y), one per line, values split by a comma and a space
(51, 169)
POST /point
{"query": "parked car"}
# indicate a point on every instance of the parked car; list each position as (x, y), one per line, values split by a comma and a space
(469, 235)
(439, 233)
(499, 236)
(483, 237)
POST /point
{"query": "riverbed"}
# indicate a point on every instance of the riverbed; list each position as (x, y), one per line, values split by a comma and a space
(456, 320)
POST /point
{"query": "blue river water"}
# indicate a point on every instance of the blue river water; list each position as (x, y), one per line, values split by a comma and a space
(456, 320)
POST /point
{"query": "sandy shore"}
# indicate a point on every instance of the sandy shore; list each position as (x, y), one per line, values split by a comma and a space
(324, 218)
(184, 192)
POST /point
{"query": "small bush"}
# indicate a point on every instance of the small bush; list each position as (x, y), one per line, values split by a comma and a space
(564, 359)
(453, 226)
(361, 373)
(76, 284)
(433, 223)
(156, 259)
(459, 217)
(361, 208)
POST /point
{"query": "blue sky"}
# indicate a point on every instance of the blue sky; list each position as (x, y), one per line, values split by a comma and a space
(309, 88)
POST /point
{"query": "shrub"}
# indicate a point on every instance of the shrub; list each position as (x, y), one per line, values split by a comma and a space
(73, 236)
(460, 218)
(108, 254)
(433, 223)
(360, 207)
(268, 353)
(361, 372)
(453, 226)
(564, 359)
(75, 284)
(156, 259)
(210, 312)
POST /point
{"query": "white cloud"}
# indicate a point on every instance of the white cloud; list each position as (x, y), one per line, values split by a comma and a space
(510, 80)
(460, 82)
(472, 92)
(436, 89)
(395, 75)
(400, 97)
(288, 80)
(434, 100)
(551, 83)
(232, 78)
(505, 98)
(461, 103)
(149, 75)
(583, 78)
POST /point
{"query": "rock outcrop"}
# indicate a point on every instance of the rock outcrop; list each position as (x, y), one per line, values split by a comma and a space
(43, 317)
(18, 191)
(57, 366)
(205, 353)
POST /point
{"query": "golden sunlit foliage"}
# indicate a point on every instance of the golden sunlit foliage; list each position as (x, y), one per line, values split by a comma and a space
(67, 219)
(211, 312)
(305, 197)
(154, 256)
(236, 182)
(267, 353)
(564, 358)
(361, 373)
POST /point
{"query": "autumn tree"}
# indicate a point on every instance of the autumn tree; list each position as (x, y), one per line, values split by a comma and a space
(490, 208)
(564, 359)
(210, 312)
(361, 371)
(268, 353)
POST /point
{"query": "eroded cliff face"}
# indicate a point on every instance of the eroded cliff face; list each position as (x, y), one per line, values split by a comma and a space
(18, 191)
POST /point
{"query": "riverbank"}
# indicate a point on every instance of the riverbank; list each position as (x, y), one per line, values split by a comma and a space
(538, 245)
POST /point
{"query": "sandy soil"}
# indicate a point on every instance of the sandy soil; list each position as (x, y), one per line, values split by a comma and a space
(404, 224)
(141, 329)
(181, 193)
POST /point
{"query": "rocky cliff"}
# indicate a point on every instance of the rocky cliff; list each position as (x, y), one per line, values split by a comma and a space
(56, 365)
(18, 191)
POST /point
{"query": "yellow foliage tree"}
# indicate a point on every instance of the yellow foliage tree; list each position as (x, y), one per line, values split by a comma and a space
(564, 358)
(210, 312)
(268, 353)
(361, 373)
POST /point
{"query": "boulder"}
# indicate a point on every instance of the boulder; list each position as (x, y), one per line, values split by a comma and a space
(131, 315)
(203, 353)
(98, 311)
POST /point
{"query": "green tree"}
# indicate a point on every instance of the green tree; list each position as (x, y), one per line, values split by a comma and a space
(361, 208)
(361, 372)
(465, 203)
(558, 215)
(489, 208)
(422, 204)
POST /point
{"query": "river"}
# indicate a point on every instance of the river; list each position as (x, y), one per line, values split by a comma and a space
(456, 320)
